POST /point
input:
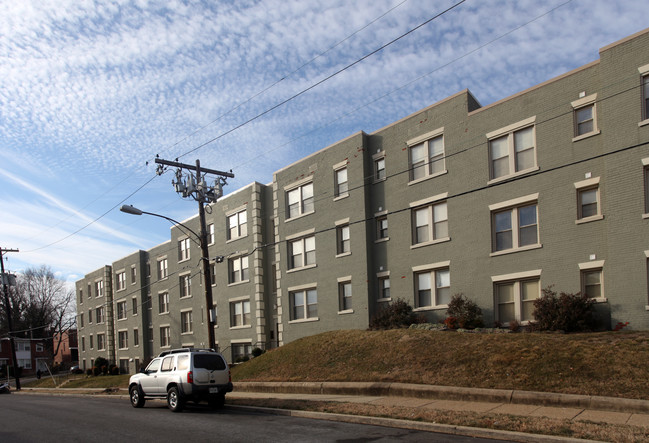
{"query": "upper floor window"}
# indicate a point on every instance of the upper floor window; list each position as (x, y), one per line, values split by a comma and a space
(100, 315)
(512, 150)
(429, 223)
(299, 200)
(340, 182)
(343, 242)
(238, 269)
(134, 305)
(585, 117)
(162, 268)
(99, 288)
(210, 234)
(514, 296)
(183, 249)
(514, 224)
(165, 336)
(101, 342)
(89, 291)
(240, 313)
(645, 96)
(81, 320)
(588, 200)
(237, 225)
(80, 296)
(185, 283)
(304, 304)
(301, 252)
(379, 167)
(382, 227)
(186, 322)
(384, 286)
(645, 176)
(122, 339)
(163, 303)
(121, 310)
(120, 280)
(427, 158)
(432, 287)
(133, 275)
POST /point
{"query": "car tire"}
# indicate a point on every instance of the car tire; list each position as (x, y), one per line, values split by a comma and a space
(216, 401)
(137, 396)
(175, 401)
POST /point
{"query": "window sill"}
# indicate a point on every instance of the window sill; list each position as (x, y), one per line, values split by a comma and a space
(428, 177)
(382, 240)
(240, 327)
(430, 308)
(236, 238)
(298, 216)
(341, 196)
(344, 254)
(645, 216)
(121, 349)
(186, 297)
(346, 311)
(122, 319)
(242, 282)
(428, 243)
(493, 181)
(184, 260)
(304, 320)
(379, 180)
(300, 269)
(600, 300)
(163, 313)
(187, 333)
(382, 300)
(644, 122)
(587, 135)
(512, 251)
(589, 219)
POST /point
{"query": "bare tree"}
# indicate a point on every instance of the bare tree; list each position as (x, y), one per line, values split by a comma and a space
(42, 306)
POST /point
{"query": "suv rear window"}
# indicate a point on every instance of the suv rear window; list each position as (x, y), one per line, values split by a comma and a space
(211, 362)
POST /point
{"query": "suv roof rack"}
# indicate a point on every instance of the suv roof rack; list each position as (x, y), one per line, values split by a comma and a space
(179, 350)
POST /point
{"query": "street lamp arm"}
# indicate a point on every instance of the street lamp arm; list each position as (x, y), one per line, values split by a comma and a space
(128, 209)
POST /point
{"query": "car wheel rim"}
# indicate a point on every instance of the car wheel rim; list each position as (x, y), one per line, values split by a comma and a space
(134, 396)
(172, 399)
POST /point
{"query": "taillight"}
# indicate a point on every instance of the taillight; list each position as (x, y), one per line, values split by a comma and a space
(190, 377)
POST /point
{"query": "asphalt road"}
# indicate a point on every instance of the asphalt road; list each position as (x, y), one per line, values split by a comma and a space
(41, 418)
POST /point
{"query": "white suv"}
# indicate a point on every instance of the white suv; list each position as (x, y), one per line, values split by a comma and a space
(180, 375)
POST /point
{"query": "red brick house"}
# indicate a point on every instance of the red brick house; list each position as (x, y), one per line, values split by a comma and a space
(31, 354)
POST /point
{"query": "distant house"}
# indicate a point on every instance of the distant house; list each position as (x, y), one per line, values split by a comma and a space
(68, 352)
(31, 354)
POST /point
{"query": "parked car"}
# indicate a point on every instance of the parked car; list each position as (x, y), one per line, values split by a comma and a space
(76, 370)
(181, 375)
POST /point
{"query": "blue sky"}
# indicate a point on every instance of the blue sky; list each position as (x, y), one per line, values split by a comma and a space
(92, 90)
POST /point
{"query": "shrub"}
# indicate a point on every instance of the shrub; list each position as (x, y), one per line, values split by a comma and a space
(564, 312)
(450, 322)
(257, 352)
(395, 315)
(88, 372)
(113, 370)
(96, 371)
(467, 313)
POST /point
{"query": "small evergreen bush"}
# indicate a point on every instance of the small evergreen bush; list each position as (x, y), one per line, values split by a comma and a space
(563, 312)
(466, 313)
(257, 352)
(395, 315)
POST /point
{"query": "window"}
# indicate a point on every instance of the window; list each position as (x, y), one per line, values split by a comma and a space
(433, 288)
(120, 280)
(91, 341)
(588, 205)
(379, 169)
(645, 97)
(39, 347)
(186, 322)
(645, 171)
(162, 268)
(121, 310)
(123, 365)
(341, 185)
(512, 150)
(210, 234)
(213, 273)
(89, 291)
(99, 315)
(240, 313)
(99, 288)
(83, 344)
(122, 339)
(515, 299)
(237, 225)
(136, 337)
(515, 227)
(101, 342)
(185, 284)
(382, 227)
(240, 351)
(165, 336)
(304, 304)
(134, 305)
(183, 249)
(342, 240)
(585, 117)
(430, 223)
(301, 252)
(80, 296)
(300, 201)
(427, 158)
(81, 320)
(133, 275)
(345, 296)
(592, 279)
(384, 287)
(238, 269)
(89, 315)
(163, 303)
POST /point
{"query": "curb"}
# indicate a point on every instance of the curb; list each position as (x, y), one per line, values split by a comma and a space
(450, 393)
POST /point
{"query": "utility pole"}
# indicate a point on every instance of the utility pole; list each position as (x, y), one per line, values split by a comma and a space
(5, 290)
(197, 188)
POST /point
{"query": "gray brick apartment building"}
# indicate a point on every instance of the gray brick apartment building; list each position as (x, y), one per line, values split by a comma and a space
(547, 187)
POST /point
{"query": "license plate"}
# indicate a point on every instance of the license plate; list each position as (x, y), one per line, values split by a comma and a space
(214, 390)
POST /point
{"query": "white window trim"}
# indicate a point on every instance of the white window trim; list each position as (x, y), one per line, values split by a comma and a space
(582, 185)
(182, 276)
(430, 201)
(238, 256)
(117, 274)
(515, 277)
(336, 168)
(433, 267)
(294, 238)
(347, 279)
(515, 203)
(593, 265)
(304, 287)
(300, 234)
(118, 344)
(420, 139)
(383, 275)
(230, 213)
(376, 216)
(531, 122)
(376, 157)
(182, 311)
(644, 71)
(581, 103)
(293, 186)
(125, 302)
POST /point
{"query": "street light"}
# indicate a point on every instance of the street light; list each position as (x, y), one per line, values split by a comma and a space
(205, 258)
